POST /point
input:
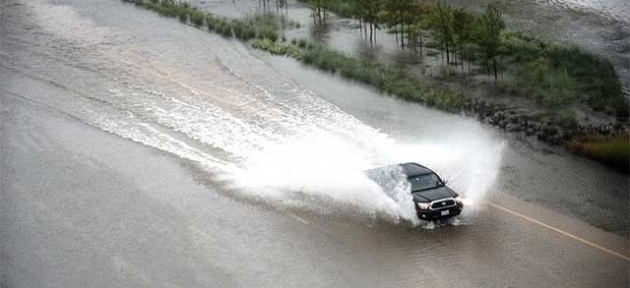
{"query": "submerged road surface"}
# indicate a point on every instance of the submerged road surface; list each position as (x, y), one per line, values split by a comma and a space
(139, 152)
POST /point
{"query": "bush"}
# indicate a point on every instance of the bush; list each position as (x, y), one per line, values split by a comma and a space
(276, 48)
(559, 88)
(564, 74)
(197, 18)
(225, 30)
(565, 118)
(182, 15)
(268, 34)
(211, 22)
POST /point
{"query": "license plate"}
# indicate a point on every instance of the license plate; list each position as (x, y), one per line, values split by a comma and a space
(445, 212)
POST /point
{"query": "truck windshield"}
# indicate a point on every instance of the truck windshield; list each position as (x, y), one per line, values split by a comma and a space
(424, 182)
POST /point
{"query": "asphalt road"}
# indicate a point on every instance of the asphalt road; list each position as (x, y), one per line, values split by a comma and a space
(91, 203)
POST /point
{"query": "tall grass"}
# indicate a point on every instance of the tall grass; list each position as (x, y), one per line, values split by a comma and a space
(613, 151)
(391, 80)
(261, 26)
(560, 74)
(276, 48)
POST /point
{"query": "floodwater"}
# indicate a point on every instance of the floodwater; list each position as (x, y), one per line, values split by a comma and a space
(185, 159)
(270, 128)
(530, 171)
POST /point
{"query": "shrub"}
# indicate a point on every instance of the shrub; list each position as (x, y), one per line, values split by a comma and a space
(211, 22)
(197, 18)
(566, 118)
(182, 15)
(276, 48)
(226, 29)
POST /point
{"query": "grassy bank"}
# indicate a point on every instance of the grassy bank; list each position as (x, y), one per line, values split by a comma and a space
(559, 75)
(614, 151)
(394, 81)
(260, 26)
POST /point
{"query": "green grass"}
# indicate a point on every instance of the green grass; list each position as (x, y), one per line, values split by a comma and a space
(261, 26)
(387, 79)
(197, 18)
(562, 74)
(276, 48)
(552, 87)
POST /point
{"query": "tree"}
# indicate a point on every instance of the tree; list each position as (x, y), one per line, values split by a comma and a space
(463, 23)
(415, 38)
(318, 8)
(282, 4)
(372, 8)
(490, 27)
(398, 12)
(441, 21)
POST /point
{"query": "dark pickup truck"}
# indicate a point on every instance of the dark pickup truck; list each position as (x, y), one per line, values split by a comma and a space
(432, 198)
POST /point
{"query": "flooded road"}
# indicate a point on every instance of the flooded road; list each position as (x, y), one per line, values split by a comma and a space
(137, 151)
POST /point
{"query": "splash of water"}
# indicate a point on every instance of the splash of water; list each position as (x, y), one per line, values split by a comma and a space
(285, 145)
(327, 168)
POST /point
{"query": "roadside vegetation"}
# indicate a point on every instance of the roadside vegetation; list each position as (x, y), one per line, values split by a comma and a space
(260, 26)
(615, 151)
(556, 77)
(551, 74)
(394, 81)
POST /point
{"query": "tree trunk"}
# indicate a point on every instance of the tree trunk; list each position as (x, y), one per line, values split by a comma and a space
(469, 59)
(461, 54)
(371, 32)
(402, 34)
(501, 66)
(494, 64)
(448, 62)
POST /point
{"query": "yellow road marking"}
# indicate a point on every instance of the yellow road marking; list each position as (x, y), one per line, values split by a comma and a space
(589, 243)
(298, 218)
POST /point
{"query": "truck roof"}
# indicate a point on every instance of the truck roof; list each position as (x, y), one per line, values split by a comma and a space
(409, 169)
(413, 169)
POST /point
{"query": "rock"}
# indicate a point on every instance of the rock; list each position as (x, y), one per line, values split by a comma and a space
(529, 131)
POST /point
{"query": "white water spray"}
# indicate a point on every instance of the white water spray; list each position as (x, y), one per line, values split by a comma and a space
(283, 145)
